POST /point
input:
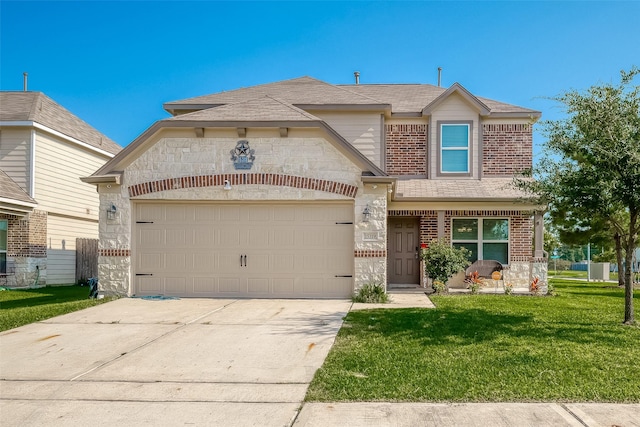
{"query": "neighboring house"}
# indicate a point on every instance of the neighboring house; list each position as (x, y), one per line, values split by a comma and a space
(44, 207)
(305, 189)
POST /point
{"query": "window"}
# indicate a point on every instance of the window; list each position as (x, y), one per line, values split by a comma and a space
(455, 148)
(485, 238)
(3, 246)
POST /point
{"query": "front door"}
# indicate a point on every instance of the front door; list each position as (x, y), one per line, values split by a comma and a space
(404, 247)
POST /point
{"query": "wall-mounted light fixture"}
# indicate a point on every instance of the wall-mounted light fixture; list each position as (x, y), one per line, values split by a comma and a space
(227, 185)
(111, 212)
(366, 213)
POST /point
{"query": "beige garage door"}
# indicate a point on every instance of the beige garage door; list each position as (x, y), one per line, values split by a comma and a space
(243, 250)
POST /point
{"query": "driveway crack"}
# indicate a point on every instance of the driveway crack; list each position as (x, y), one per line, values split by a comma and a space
(108, 362)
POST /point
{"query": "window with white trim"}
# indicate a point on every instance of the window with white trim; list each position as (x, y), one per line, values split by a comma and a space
(485, 238)
(455, 148)
(3, 246)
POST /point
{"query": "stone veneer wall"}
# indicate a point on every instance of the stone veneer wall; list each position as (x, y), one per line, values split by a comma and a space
(406, 149)
(186, 169)
(371, 237)
(27, 248)
(507, 149)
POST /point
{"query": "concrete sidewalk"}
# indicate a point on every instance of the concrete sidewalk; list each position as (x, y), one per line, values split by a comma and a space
(380, 414)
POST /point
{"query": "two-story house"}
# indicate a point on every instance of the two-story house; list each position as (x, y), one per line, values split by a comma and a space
(304, 189)
(44, 207)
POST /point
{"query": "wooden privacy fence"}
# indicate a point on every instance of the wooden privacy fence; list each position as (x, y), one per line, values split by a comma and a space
(86, 258)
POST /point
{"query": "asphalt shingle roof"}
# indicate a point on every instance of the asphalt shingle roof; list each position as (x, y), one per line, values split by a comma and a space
(261, 109)
(463, 189)
(307, 91)
(39, 108)
(12, 191)
(300, 91)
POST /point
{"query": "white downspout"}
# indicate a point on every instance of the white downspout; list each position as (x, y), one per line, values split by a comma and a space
(32, 165)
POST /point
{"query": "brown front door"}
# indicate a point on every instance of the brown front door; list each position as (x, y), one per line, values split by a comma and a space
(404, 244)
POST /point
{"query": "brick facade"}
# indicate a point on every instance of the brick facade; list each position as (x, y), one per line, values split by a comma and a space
(276, 179)
(520, 227)
(507, 149)
(27, 236)
(406, 149)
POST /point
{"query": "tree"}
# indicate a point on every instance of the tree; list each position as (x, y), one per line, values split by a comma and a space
(590, 172)
(442, 260)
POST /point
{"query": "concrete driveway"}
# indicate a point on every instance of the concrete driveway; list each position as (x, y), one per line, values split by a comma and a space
(168, 362)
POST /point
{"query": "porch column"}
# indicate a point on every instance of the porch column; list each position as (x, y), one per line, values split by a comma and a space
(440, 224)
(538, 235)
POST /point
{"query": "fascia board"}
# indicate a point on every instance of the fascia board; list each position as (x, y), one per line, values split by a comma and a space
(103, 179)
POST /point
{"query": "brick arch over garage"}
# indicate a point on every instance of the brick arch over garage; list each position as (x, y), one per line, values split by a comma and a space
(280, 180)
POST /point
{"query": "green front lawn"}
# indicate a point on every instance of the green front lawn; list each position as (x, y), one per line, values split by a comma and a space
(20, 307)
(476, 348)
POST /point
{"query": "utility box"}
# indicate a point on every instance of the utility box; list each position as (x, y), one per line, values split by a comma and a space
(600, 271)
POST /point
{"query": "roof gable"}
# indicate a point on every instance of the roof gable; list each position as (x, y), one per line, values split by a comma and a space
(458, 89)
(39, 108)
(263, 112)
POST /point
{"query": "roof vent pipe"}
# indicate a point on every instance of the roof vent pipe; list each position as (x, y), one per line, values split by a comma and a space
(24, 81)
(439, 76)
(357, 76)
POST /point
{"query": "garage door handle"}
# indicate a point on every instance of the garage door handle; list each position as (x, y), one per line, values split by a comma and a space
(144, 274)
(345, 223)
(243, 260)
(345, 275)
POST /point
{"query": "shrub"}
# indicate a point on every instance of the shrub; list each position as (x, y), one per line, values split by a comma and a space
(474, 282)
(442, 260)
(439, 287)
(508, 288)
(371, 293)
(551, 289)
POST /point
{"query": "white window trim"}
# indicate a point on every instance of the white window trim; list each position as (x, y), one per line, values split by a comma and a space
(468, 149)
(480, 240)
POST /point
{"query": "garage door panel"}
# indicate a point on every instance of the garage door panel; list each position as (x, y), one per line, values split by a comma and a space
(258, 238)
(259, 262)
(292, 250)
(146, 212)
(177, 214)
(179, 238)
(205, 285)
(150, 285)
(150, 262)
(150, 237)
(175, 285)
(205, 237)
(178, 262)
(230, 214)
(257, 286)
(205, 262)
(284, 286)
(229, 285)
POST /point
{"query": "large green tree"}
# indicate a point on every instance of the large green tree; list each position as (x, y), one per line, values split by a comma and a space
(590, 172)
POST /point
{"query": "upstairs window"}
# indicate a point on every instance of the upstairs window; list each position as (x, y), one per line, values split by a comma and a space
(455, 148)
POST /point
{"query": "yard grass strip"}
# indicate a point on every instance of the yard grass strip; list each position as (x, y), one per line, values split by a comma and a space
(23, 306)
(489, 348)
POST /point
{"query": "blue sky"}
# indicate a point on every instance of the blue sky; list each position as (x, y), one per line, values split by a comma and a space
(115, 63)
